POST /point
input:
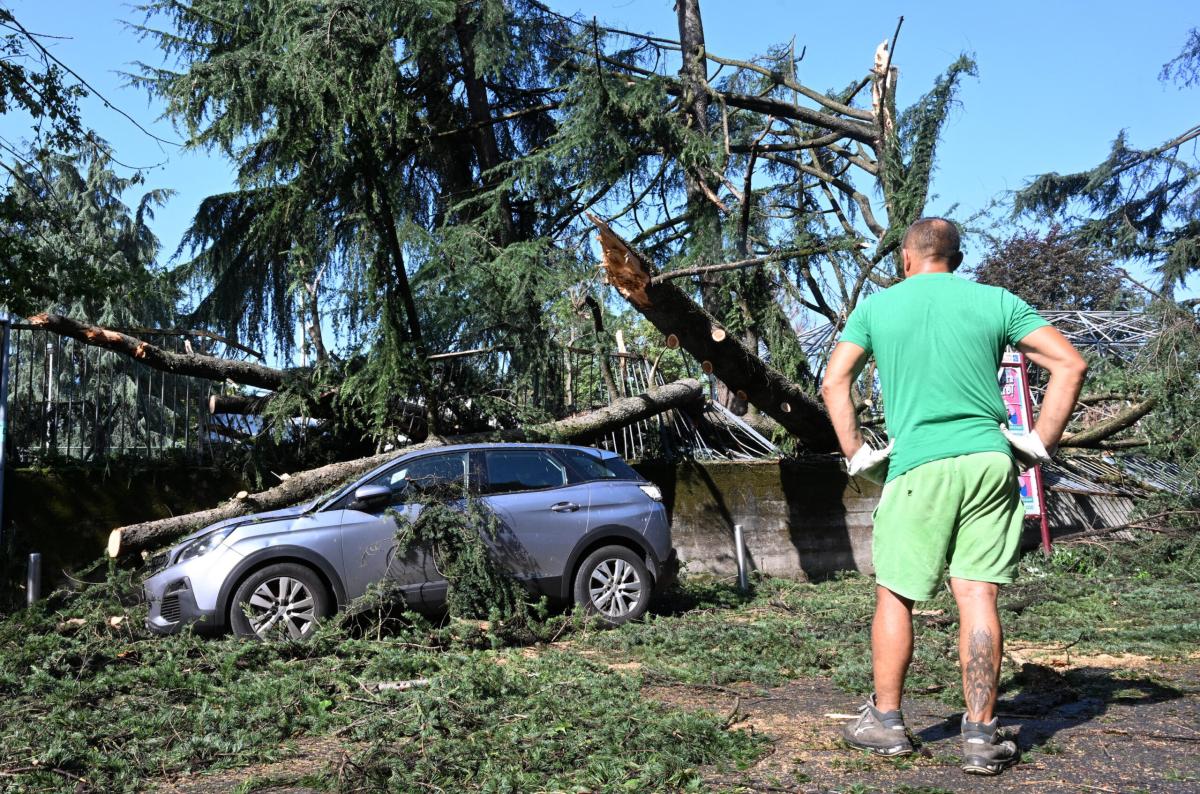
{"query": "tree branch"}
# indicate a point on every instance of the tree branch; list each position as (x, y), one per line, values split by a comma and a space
(738, 265)
(1092, 436)
(779, 78)
(209, 367)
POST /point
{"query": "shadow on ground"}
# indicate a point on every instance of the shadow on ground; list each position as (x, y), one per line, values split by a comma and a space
(1079, 730)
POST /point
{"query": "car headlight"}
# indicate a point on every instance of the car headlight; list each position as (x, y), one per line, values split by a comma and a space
(203, 545)
(652, 491)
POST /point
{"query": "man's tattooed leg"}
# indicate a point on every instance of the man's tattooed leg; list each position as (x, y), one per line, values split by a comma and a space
(979, 674)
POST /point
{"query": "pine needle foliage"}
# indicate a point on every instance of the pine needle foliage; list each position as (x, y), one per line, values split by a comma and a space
(461, 536)
(89, 694)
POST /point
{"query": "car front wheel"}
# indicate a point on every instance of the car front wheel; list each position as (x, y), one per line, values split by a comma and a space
(613, 583)
(279, 601)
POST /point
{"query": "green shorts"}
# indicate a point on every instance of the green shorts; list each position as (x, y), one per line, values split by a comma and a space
(965, 511)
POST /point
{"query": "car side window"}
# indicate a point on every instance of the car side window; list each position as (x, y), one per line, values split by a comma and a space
(583, 466)
(522, 470)
(431, 476)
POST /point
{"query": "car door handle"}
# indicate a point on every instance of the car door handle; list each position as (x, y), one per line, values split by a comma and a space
(564, 507)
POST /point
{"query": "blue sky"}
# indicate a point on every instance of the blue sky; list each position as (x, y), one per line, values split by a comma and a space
(1057, 80)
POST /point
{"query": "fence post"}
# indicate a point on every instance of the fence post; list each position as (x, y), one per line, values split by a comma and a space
(5, 324)
(33, 579)
(743, 575)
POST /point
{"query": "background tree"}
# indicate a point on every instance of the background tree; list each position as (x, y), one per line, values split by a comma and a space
(34, 85)
(415, 175)
(1139, 203)
(369, 151)
(1055, 271)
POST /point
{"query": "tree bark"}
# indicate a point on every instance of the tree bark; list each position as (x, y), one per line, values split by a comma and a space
(600, 348)
(129, 540)
(210, 367)
(676, 315)
(705, 242)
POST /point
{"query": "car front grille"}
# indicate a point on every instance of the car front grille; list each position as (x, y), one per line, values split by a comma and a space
(170, 608)
(157, 563)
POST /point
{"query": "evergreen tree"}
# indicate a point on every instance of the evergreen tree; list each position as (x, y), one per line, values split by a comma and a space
(1139, 203)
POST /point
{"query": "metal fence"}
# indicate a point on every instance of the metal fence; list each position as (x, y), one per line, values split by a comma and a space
(72, 401)
(69, 401)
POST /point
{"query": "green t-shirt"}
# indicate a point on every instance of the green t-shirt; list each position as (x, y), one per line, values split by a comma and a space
(937, 341)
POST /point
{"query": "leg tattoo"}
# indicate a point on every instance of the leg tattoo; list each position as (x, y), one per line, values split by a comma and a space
(979, 677)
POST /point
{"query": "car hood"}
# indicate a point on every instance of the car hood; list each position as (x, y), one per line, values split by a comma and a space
(252, 518)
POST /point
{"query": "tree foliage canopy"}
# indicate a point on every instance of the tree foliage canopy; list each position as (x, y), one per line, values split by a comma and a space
(1054, 271)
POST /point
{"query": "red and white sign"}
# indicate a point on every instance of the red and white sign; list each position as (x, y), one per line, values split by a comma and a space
(1014, 389)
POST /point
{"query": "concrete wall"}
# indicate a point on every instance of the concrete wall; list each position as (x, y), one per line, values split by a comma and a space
(800, 519)
(804, 520)
(67, 512)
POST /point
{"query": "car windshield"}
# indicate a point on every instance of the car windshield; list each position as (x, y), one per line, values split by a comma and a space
(325, 496)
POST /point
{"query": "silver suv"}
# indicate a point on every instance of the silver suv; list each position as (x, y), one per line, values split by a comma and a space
(575, 524)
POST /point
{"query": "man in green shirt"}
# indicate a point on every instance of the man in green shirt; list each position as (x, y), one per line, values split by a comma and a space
(951, 495)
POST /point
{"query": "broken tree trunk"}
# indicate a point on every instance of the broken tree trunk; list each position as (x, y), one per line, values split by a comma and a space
(1101, 431)
(683, 322)
(209, 367)
(300, 487)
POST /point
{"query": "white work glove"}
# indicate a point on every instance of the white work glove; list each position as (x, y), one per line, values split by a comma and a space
(1027, 448)
(870, 463)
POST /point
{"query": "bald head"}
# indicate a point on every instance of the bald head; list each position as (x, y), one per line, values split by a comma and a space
(934, 240)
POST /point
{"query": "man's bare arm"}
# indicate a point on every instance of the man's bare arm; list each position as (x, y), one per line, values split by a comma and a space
(1051, 351)
(845, 363)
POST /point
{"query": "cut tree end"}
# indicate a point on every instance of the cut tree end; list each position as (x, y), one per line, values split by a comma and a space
(114, 543)
(718, 334)
(672, 342)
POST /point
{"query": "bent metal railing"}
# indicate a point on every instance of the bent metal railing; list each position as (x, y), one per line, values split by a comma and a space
(69, 401)
(72, 401)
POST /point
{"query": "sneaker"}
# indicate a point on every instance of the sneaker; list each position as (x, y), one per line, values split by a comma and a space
(881, 732)
(984, 753)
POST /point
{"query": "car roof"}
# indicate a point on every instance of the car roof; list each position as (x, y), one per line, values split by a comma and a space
(603, 453)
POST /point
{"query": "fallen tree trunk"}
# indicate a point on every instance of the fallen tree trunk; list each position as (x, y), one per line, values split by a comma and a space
(722, 354)
(210, 367)
(298, 488)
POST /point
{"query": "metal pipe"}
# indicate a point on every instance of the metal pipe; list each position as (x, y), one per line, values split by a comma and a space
(5, 322)
(743, 575)
(33, 579)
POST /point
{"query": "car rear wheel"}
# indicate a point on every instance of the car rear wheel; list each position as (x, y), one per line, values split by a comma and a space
(613, 583)
(280, 601)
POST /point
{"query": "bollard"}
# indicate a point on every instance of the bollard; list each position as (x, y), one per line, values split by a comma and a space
(743, 576)
(33, 579)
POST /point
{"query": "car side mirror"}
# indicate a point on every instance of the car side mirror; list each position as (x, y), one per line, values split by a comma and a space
(369, 498)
